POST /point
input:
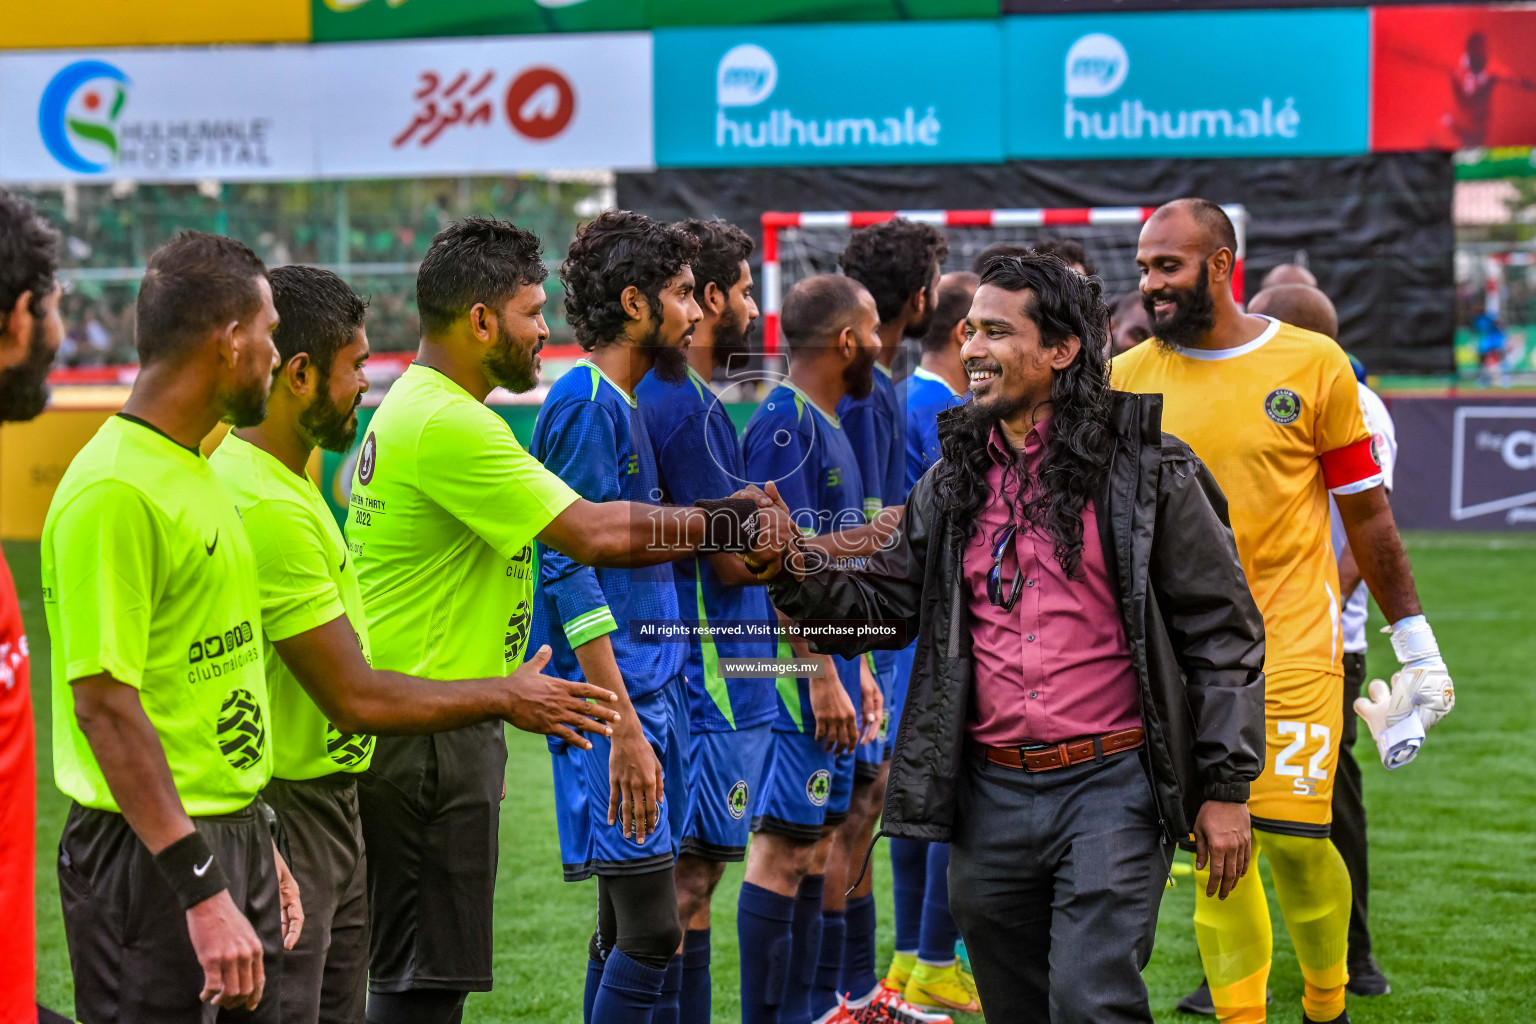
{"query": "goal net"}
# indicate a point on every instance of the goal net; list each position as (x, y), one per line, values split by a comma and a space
(798, 245)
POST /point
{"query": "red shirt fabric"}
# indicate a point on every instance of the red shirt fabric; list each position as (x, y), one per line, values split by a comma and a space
(1057, 666)
(18, 813)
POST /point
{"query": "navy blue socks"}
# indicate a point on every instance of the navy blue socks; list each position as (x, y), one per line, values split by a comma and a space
(909, 871)
(694, 1002)
(763, 932)
(629, 992)
(829, 962)
(859, 977)
(939, 932)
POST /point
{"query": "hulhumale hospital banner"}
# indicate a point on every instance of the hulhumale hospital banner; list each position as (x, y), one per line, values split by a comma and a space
(357, 110)
(829, 94)
(1215, 84)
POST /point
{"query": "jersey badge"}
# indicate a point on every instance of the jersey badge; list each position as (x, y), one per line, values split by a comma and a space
(1283, 406)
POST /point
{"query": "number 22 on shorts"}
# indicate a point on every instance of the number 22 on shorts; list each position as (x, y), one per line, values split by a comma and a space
(1304, 781)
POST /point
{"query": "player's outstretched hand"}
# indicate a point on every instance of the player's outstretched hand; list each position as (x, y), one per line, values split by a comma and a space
(837, 724)
(291, 908)
(558, 707)
(1224, 840)
(873, 702)
(229, 952)
(635, 782)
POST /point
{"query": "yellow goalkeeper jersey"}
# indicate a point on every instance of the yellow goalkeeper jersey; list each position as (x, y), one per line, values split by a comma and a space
(1278, 423)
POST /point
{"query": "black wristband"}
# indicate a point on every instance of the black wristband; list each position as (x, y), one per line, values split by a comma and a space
(732, 524)
(191, 870)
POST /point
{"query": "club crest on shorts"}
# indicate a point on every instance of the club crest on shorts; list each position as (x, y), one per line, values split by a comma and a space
(365, 461)
(1283, 406)
(736, 799)
(818, 787)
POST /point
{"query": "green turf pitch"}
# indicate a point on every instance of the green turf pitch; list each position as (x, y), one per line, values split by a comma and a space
(1453, 857)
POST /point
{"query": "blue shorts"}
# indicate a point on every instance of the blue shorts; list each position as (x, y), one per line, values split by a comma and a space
(588, 844)
(805, 788)
(870, 754)
(725, 774)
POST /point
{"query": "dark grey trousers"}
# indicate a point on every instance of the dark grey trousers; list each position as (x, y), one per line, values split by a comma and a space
(1055, 879)
(1348, 829)
(325, 976)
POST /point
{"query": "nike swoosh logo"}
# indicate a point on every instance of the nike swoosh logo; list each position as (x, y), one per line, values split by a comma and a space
(214, 544)
(201, 871)
(343, 566)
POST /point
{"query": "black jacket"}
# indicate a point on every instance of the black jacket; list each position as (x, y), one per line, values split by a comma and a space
(1196, 638)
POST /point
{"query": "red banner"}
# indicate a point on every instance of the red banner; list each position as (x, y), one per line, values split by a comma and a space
(1453, 78)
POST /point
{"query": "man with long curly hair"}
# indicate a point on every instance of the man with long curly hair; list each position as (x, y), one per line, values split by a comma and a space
(1088, 682)
(629, 295)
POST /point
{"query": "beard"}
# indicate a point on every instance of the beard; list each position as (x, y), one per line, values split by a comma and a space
(669, 361)
(985, 413)
(859, 375)
(248, 406)
(333, 427)
(511, 366)
(920, 328)
(731, 335)
(1193, 313)
(24, 387)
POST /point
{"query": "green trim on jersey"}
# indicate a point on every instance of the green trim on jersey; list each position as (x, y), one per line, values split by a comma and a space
(789, 690)
(444, 509)
(802, 400)
(599, 375)
(714, 682)
(305, 579)
(589, 625)
(148, 577)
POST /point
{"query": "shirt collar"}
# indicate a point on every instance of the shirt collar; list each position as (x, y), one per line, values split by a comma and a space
(1003, 454)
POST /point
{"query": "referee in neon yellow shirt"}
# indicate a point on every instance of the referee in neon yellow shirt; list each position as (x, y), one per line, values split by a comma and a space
(161, 724)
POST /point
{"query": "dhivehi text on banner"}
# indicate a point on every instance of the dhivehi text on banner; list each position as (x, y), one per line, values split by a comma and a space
(1222, 83)
(361, 110)
(476, 106)
(829, 94)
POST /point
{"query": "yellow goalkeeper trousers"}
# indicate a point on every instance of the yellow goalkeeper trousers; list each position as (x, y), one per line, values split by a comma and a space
(1234, 934)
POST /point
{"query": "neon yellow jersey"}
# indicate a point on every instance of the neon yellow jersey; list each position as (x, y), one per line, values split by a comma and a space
(1278, 423)
(148, 576)
(305, 579)
(444, 509)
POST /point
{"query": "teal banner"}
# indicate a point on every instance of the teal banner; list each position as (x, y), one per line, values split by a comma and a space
(1212, 84)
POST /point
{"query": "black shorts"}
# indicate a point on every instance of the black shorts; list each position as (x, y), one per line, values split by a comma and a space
(129, 950)
(325, 976)
(430, 807)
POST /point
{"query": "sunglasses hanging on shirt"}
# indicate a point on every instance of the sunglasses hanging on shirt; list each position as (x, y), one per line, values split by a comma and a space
(995, 574)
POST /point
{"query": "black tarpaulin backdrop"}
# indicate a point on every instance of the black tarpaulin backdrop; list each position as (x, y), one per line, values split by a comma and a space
(1376, 229)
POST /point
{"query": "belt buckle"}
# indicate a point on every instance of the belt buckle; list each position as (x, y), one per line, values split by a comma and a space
(1034, 748)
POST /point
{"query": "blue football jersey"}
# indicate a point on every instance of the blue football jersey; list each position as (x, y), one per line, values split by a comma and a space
(698, 456)
(875, 427)
(806, 453)
(591, 435)
(923, 396)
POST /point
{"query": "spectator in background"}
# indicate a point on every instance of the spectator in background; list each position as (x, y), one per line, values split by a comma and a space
(995, 250)
(1290, 273)
(1128, 324)
(1069, 250)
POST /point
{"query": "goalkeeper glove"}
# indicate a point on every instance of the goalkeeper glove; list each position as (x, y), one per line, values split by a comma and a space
(1420, 695)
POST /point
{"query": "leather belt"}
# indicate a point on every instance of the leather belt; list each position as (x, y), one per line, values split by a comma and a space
(1046, 757)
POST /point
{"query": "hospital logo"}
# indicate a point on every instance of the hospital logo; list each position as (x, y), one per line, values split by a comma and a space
(78, 115)
(818, 787)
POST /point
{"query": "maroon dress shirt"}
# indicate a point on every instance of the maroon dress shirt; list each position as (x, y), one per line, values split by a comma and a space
(1057, 666)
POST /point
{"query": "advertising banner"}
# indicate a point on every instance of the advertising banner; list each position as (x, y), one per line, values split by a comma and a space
(75, 23)
(340, 20)
(1088, 6)
(484, 106)
(1474, 463)
(1453, 77)
(664, 13)
(829, 95)
(157, 115)
(1228, 83)
(358, 110)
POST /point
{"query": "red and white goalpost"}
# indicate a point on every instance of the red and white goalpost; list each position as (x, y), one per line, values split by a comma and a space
(1009, 225)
